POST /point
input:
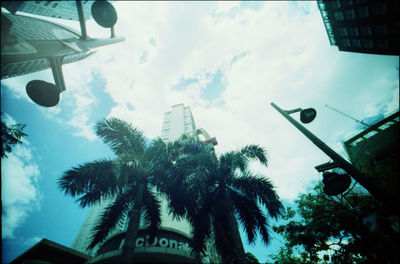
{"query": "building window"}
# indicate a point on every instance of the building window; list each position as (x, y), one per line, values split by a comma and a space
(381, 43)
(343, 32)
(339, 16)
(380, 30)
(365, 31)
(335, 4)
(378, 9)
(353, 31)
(362, 12)
(367, 43)
(345, 43)
(347, 3)
(349, 14)
(394, 43)
(356, 43)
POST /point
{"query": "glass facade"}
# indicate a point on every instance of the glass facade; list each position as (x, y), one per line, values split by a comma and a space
(362, 26)
(57, 9)
(23, 31)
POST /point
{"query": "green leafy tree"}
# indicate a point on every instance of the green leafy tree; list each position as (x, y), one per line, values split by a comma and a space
(10, 136)
(352, 229)
(126, 179)
(215, 192)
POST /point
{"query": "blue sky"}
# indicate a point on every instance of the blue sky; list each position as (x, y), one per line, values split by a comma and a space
(227, 61)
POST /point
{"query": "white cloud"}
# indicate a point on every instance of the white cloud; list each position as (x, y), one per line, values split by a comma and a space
(287, 60)
(32, 241)
(393, 105)
(19, 190)
(225, 6)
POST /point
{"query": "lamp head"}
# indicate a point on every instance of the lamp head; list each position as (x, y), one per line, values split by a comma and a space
(104, 14)
(307, 115)
(335, 183)
(43, 93)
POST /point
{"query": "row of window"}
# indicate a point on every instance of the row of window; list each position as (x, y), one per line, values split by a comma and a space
(365, 43)
(341, 3)
(378, 30)
(361, 12)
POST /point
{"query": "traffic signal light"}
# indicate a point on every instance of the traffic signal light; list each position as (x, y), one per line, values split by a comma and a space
(335, 184)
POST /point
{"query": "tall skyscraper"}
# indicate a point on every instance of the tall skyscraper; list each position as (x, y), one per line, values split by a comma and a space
(362, 26)
(178, 123)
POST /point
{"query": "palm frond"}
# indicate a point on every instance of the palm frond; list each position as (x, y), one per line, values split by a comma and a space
(201, 230)
(110, 217)
(255, 152)
(264, 232)
(156, 150)
(96, 176)
(193, 147)
(130, 172)
(233, 160)
(121, 136)
(91, 197)
(151, 212)
(247, 210)
(223, 239)
(259, 187)
(230, 161)
(251, 216)
(170, 181)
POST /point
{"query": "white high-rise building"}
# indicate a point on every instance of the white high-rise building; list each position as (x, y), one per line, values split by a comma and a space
(83, 238)
(178, 123)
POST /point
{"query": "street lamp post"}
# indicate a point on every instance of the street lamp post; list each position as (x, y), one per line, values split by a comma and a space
(375, 190)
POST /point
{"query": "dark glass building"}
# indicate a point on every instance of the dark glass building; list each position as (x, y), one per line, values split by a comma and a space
(375, 152)
(362, 26)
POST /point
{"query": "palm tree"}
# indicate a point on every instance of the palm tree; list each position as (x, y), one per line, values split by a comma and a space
(215, 192)
(125, 179)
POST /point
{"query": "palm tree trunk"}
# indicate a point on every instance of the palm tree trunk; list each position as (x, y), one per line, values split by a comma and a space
(236, 239)
(133, 227)
(237, 255)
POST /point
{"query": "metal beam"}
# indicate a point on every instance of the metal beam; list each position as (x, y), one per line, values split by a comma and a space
(327, 166)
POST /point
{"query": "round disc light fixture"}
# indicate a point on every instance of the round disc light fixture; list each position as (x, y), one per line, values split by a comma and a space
(104, 14)
(335, 183)
(307, 115)
(43, 93)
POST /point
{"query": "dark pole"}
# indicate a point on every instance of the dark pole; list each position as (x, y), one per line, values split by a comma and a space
(375, 190)
(81, 19)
